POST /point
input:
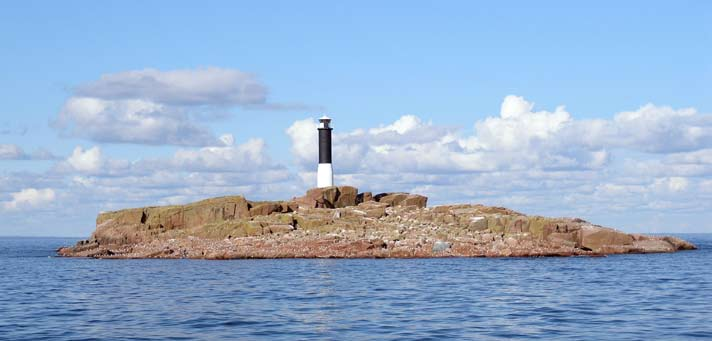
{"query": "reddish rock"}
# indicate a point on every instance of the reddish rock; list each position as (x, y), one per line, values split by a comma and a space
(402, 199)
(392, 199)
(265, 208)
(346, 196)
(415, 200)
(679, 244)
(325, 197)
(596, 238)
(364, 197)
(396, 225)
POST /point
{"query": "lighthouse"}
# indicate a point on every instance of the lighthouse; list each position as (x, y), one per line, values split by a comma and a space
(325, 173)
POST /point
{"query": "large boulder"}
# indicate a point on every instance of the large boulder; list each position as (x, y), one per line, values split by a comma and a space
(476, 223)
(415, 200)
(324, 197)
(392, 199)
(402, 199)
(347, 196)
(372, 209)
(313, 222)
(517, 225)
(329, 197)
(265, 208)
(215, 210)
(679, 244)
(653, 246)
(597, 238)
(364, 197)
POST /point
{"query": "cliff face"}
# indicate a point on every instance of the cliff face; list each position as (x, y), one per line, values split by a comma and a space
(340, 222)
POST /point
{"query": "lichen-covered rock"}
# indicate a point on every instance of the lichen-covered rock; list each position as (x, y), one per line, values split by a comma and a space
(324, 197)
(402, 199)
(415, 200)
(392, 199)
(265, 208)
(391, 225)
(279, 228)
(346, 196)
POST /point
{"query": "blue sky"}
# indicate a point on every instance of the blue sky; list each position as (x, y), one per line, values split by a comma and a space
(402, 80)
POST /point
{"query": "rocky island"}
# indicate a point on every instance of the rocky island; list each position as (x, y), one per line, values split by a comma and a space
(340, 222)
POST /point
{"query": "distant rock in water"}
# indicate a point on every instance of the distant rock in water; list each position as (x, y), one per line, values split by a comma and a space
(339, 222)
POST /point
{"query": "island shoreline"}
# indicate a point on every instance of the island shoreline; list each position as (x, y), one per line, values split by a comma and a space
(341, 223)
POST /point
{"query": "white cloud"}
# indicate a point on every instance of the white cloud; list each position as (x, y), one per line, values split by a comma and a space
(89, 160)
(201, 86)
(518, 127)
(401, 126)
(131, 121)
(29, 198)
(248, 156)
(160, 107)
(303, 135)
(11, 152)
(677, 184)
(698, 157)
(662, 129)
(536, 161)
(517, 139)
(670, 184)
(227, 139)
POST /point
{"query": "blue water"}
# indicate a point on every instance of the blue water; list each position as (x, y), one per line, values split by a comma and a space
(627, 297)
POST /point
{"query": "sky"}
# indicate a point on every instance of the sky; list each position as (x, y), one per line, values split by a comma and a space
(600, 110)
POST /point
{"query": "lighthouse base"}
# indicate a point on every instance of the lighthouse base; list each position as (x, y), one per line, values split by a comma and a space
(325, 175)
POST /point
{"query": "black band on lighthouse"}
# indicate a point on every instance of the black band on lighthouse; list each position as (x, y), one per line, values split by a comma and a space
(324, 145)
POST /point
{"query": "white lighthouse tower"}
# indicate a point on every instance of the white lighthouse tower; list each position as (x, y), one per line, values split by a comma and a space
(325, 172)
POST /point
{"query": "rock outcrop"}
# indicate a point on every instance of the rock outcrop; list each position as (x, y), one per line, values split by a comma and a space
(340, 222)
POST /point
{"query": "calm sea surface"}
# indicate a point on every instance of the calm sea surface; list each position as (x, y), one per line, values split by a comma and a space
(628, 297)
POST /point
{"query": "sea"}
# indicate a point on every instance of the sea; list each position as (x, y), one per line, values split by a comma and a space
(622, 297)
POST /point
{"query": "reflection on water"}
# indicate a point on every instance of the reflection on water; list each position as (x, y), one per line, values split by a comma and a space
(620, 297)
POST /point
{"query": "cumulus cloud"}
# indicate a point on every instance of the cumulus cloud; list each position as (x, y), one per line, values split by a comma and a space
(131, 121)
(401, 126)
(91, 161)
(518, 127)
(531, 159)
(662, 129)
(160, 107)
(517, 139)
(248, 156)
(85, 160)
(29, 198)
(536, 160)
(303, 134)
